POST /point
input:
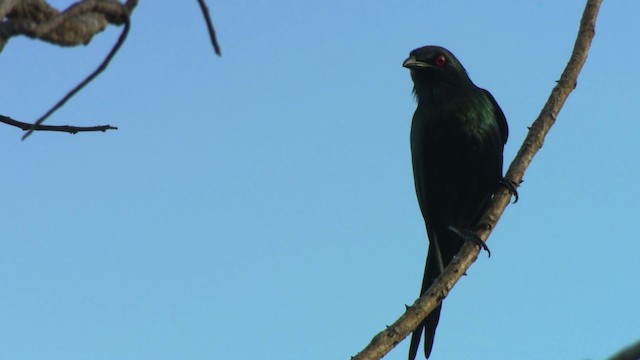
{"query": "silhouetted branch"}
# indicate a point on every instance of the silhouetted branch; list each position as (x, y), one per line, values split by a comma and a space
(383, 342)
(61, 128)
(76, 25)
(630, 353)
(212, 32)
(88, 79)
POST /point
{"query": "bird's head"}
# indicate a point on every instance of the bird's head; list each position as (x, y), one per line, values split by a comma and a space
(435, 67)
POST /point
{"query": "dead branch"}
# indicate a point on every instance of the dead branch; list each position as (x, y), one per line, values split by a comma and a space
(212, 32)
(75, 26)
(61, 128)
(93, 75)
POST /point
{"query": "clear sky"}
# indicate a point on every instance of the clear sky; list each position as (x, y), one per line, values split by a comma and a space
(261, 205)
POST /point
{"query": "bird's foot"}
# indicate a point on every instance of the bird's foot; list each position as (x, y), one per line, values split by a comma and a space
(469, 235)
(511, 186)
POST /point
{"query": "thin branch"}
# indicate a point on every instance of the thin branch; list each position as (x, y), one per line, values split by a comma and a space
(61, 128)
(93, 75)
(212, 32)
(383, 342)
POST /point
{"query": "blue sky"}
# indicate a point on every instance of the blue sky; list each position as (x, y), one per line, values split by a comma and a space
(261, 205)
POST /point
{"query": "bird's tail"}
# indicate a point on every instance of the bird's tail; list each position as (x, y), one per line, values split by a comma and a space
(432, 270)
(429, 326)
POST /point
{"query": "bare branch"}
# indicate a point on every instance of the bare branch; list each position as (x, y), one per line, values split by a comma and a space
(212, 32)
(89, 78)
(76, 25)
(61, 128)
(383, 342)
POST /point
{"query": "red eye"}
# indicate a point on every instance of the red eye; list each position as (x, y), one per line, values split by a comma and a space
(441, 61)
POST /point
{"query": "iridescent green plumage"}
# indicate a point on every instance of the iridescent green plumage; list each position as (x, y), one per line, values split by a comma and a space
(457, 139)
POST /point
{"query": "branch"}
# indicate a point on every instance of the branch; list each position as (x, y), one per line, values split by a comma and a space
(76, 25)
(383, 342)
(212, 32)
(61, 128)
(79, 8)
(630, 353)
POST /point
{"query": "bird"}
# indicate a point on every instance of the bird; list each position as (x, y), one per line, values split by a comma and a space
(458, 133)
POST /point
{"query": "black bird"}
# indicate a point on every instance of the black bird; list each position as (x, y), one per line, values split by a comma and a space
(457, 139)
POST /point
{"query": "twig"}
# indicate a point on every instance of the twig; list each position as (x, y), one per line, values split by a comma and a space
(62, 128)
(212, 32)
(88, 79)
(383, 342)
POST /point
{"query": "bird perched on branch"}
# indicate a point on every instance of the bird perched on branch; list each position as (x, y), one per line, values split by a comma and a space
(457, 139)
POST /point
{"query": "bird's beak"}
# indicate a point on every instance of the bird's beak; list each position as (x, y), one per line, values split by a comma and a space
(412, 63)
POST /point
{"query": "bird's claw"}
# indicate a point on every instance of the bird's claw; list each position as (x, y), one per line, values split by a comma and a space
(468, 235)
(511, 186)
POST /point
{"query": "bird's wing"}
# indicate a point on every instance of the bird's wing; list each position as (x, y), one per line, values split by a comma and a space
(502, 120)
